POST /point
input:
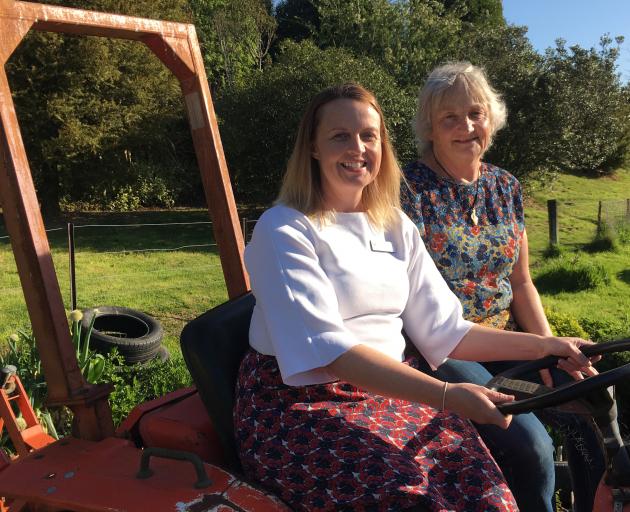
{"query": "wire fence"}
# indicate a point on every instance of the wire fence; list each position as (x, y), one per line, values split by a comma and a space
(579, 222)
(614, 215)
(170, 270)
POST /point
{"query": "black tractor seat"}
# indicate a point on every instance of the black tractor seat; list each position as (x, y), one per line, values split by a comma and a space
(213, 346)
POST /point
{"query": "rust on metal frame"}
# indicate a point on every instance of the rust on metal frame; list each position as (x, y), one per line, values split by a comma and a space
(175, 44)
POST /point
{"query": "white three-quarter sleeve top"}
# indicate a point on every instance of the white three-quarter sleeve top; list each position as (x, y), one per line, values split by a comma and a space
(322, 288)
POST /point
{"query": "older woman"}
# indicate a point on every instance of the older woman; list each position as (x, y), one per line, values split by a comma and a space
(470, 215)
(328, 414)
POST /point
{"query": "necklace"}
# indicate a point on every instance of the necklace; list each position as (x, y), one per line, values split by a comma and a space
(473, 207)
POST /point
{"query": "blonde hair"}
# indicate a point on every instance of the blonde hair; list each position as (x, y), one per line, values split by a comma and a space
(301, 188)
(441, 80)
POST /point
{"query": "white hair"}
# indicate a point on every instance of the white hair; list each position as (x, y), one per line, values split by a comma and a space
(441, 80)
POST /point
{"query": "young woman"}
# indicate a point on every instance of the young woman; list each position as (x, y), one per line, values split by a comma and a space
(329, 414)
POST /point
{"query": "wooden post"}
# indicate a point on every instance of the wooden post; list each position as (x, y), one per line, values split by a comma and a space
(72, 267)
(552, 212)
(600, 228)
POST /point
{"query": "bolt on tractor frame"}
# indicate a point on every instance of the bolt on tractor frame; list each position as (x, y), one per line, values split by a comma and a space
(97, 468)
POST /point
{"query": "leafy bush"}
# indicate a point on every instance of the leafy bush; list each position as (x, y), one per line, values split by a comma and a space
(563, 324)
(609, 331)
(140, 383)
(623, 233)
(571, 275)
(132, 384)
(553, 251)
(259, 120)
(605, 331)
(606, 239)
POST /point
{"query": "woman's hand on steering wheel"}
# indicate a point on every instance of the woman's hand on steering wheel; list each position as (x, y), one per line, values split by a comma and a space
(477, 403)
(571, 359)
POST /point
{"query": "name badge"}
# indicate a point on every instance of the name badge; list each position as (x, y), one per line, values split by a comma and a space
(381, 246)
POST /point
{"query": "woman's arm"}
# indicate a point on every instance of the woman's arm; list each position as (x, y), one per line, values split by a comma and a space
(526, 305)
(487, 344)
(367, 368)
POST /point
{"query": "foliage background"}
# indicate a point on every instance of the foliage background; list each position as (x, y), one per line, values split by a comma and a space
(104, 124)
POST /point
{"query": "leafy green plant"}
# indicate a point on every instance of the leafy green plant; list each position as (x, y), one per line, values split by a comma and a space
(91, 363)
(553, 251)
(563, 324)
(605, 239)
(132, 384)
(22, 353)
(599, 330)
(141, 382)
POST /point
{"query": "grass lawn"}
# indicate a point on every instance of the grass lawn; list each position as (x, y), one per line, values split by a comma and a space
(176, 285)
(578, 198)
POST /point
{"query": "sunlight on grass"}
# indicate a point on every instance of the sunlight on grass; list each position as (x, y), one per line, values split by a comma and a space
(176, 286)
(172, 286)
(578, 198)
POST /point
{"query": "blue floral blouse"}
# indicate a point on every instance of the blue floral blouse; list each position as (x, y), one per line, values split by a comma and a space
(475, 260)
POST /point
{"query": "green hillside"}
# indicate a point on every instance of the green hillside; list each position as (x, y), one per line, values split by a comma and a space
(578, 198)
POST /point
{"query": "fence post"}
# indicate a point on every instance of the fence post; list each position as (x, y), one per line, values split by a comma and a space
(600, 230)
(73, 282)
(552, 212)
(627, 208)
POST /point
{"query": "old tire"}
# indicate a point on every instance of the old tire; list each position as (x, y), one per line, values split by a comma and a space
(136, 335)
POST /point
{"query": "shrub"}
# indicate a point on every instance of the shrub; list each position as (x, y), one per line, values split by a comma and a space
(623, 233)
(563, 324)
(140, 383)
(598, 330)
(605, 240)
(132, 384)
(259, 120)
(608, 331)
(571, 275)
(553, 251)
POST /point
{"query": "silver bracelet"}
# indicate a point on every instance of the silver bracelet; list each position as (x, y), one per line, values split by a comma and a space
(444, 395)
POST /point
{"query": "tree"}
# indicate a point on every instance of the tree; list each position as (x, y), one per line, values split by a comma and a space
(259, 120)
(297, 20)
(236, 36)
(407, 37)
(514, 68)
(566, 109)
(478, 12)
(589, 106)
(102, 119)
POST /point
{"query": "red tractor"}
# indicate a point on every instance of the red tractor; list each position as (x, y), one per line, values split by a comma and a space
(177, 452)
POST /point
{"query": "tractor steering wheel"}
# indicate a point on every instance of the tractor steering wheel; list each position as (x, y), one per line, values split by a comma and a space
(540, 397)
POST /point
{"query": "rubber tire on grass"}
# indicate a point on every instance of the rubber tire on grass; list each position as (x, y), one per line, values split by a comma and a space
(136, 335)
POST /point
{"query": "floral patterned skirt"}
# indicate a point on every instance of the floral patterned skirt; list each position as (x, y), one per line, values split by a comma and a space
(335, 447)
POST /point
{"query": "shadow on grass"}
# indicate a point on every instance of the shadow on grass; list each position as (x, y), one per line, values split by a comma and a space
(624, 276)
(571, 276)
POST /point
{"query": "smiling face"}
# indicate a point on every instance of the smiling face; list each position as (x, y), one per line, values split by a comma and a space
(461, 129)
(348, 148)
